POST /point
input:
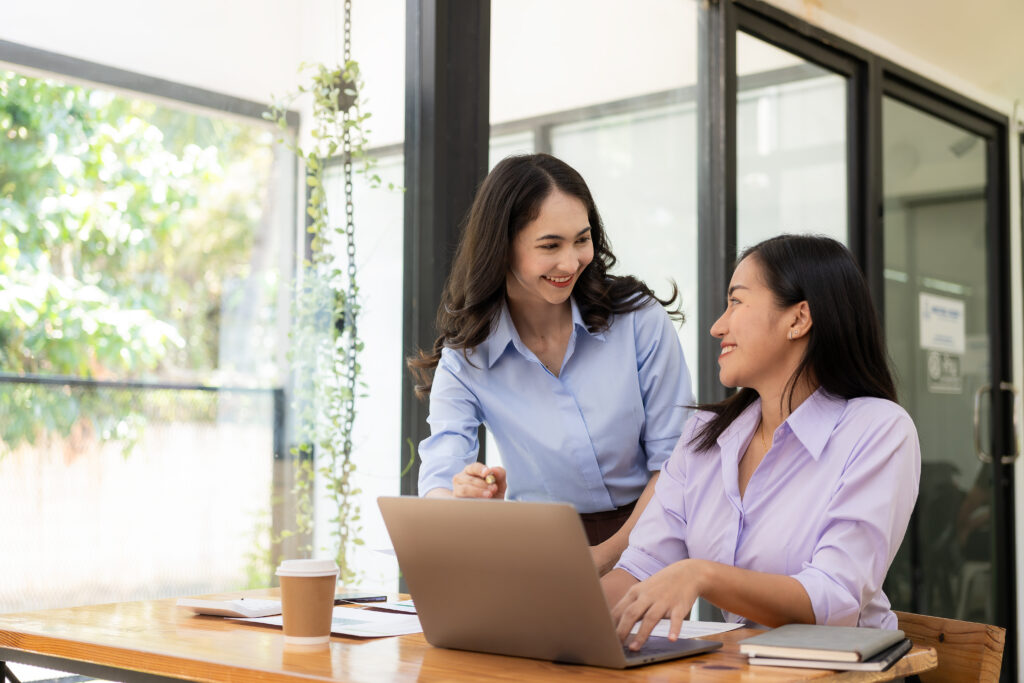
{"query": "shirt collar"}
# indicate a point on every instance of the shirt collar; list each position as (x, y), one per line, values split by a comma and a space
(504, 332)
(812, 422)
(815, 419)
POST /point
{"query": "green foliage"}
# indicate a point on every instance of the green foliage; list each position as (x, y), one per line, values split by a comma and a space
(121, 224)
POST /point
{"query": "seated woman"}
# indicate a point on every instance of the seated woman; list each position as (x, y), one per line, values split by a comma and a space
(787, 501)
(577, 373)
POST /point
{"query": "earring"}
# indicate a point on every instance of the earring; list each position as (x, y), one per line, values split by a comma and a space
(790, 335)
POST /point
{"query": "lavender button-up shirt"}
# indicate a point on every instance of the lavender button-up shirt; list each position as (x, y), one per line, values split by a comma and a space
(828, 505)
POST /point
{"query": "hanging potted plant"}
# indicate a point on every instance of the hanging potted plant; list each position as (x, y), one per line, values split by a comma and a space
(325, 340)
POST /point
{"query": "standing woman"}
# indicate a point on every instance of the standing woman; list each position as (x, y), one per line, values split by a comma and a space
(787, 501)
(577, 373)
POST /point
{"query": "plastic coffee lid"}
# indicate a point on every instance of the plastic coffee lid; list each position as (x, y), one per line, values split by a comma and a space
(307, 568)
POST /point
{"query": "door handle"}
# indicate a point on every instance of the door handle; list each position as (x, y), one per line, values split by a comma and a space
(1009, 459)
(978, 449)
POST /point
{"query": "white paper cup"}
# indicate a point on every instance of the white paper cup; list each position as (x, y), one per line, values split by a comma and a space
(307, 600)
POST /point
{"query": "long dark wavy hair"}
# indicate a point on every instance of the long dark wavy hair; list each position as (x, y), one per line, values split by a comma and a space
(508, 199)
(845, 352)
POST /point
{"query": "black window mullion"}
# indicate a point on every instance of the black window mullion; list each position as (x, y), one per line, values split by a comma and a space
(446, 141)
(785, 38)
(716, 180)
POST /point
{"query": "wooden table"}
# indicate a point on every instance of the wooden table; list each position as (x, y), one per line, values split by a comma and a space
(154, 641)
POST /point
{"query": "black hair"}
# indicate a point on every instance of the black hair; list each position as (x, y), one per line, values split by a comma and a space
(845, 352)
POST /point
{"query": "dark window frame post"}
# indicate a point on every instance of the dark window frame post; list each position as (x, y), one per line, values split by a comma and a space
(447, 129)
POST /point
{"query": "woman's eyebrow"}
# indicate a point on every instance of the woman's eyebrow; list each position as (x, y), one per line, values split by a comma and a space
(735, 287)
(559, 237)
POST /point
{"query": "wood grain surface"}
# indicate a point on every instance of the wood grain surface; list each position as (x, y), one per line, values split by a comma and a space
(160, 638)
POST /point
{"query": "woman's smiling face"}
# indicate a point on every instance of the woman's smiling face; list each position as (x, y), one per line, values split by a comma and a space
(756, 351)
(550, 252)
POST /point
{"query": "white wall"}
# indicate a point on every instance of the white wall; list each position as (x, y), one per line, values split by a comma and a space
(245, 48)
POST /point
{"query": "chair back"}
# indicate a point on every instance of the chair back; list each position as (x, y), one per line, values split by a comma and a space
(967, 651)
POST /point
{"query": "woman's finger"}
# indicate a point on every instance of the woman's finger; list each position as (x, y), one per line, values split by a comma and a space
(651, 618)
(676, 621)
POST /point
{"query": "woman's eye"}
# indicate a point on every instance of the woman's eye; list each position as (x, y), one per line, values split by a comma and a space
(549, 247)
(733, 301)
(583, 240)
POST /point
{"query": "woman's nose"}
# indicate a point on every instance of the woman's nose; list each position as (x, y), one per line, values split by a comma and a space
(718, 328)
(569, 262)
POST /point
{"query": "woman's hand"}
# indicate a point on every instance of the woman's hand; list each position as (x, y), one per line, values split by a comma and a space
(472, 482)
(668, 594)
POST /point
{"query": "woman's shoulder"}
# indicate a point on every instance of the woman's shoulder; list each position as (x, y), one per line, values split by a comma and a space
(646, 314)
(864, 409)
(457, 361)
(697, 421)
(875, 405)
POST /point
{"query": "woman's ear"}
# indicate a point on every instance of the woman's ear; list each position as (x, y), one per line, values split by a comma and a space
(801, 322)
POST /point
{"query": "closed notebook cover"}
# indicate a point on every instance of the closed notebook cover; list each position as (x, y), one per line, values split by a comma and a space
(880, 662)
(825, 643)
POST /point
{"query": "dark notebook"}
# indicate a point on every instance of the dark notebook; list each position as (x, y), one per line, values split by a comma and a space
(821, 643)
(880, 662)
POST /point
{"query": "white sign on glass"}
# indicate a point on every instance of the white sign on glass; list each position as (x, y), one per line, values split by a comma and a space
(943, 326)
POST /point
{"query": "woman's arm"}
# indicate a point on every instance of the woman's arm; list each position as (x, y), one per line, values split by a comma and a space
(665, 386)
(453, 444)
(769, 599)
(607, 554)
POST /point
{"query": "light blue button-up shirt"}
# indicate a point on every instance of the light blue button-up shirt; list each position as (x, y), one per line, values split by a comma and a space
(591, 436)
(828, 505)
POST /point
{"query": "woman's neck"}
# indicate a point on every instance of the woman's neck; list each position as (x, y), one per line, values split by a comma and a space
(778, 404)
(539, 319)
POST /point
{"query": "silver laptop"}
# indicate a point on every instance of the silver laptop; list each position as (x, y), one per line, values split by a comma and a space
(513, 579)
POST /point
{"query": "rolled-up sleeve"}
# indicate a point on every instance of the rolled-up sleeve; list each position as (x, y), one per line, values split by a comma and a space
(659, 537)
(454, 420)
(665, 384)
(864, 522)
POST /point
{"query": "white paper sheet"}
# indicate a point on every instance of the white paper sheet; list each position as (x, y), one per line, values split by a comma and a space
(364, 623)
(692, 629)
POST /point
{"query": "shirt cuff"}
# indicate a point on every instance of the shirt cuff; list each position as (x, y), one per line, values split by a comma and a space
(638, 563)
(832, 604)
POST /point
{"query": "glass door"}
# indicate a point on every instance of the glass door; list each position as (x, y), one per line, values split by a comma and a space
(945, 293)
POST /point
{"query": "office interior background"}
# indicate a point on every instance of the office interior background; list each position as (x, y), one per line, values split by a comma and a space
(147, 257)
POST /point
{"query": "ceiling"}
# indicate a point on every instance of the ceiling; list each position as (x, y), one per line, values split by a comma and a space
(980, 42)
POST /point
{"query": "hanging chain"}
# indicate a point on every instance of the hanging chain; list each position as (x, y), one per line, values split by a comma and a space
(351, 367)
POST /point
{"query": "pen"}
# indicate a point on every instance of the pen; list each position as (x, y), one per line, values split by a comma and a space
(490, 479)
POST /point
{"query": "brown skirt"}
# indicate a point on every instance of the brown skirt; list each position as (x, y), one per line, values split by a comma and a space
(601, 526)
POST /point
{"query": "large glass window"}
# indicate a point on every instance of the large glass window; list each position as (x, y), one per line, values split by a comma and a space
(791, 174)
(143, 295)
(625, 119)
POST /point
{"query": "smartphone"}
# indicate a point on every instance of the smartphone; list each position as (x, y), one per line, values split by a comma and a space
(358, 596)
